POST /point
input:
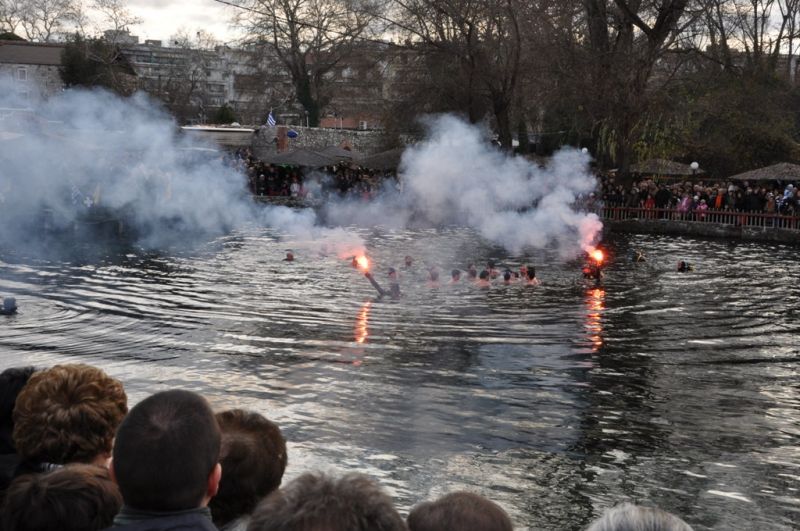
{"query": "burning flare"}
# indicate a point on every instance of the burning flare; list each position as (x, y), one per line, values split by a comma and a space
(363, 262)
(597, 255)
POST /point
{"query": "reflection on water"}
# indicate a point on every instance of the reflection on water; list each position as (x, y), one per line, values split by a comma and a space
(674, 389)
(594, 324)
(362, 321)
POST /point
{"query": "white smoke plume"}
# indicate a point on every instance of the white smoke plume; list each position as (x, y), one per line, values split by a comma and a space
(83, 158)
(456, 177)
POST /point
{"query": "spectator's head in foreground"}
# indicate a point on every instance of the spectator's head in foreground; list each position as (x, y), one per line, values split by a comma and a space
(459, 511)
(74, 498)
(253, 456)
(11, 383)
(166, 455)
(68, 414)
(629, 517)
(317, 502)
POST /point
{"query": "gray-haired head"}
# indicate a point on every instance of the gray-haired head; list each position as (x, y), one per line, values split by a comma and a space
(629, 517)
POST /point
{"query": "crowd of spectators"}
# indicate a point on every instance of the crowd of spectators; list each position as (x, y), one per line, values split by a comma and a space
(75, 459)
(693, 198)
(345, 179)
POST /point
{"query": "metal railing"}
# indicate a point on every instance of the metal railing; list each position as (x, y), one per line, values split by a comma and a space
(722, 217)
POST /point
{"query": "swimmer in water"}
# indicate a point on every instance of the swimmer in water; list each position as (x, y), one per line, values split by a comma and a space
(593, 271)
(493, 273)
(394, 285)
(408, 262)
(523, 271)
(289, 257)
(9, 306)
(507, 277)
(483, 279)
(455, 276)
(472, 273)
(354, 262)
(433, 278)
(532, 280)
(684, 266)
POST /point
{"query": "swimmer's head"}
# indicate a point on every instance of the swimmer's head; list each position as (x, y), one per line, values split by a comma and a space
(472, 273)
(289, 256)
(434, 273)
(490, 263)
(408, 261)
(484, 275)
(531, 273)
(392, 273)
(455, 274)
(507, 275)
(471, 267)
(523, 269)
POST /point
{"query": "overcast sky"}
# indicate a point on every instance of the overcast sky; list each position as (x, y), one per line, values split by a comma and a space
(162, 19)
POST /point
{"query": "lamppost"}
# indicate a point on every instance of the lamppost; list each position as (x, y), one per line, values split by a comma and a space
(694, 166)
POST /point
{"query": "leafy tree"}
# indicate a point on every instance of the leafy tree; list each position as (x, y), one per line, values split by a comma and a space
(224, 115)
(95, 63)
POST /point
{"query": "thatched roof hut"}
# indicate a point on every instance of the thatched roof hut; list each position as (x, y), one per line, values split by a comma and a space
(385, 160)
(783, 171)
(665, 168)
(301, 157)
(340, 153)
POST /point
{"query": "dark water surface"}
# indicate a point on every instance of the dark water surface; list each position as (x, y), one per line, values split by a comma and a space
(679, 390)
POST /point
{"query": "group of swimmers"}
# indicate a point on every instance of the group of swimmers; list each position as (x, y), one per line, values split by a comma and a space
(484, 279)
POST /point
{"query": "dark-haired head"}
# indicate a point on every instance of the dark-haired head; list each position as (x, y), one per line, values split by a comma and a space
(11, 383)
(313, 502)
(458, 511)
(455, 274)
(166, 453)
(484, 275)
(507, 275)
(532, 273)
(73, 498)
(253, 458)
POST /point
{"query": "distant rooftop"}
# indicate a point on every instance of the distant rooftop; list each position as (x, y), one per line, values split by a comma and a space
(30, 53)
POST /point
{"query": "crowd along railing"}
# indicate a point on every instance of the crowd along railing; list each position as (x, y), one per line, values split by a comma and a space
(723, 217)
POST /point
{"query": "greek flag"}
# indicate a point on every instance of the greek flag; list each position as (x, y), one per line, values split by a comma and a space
(270, 120)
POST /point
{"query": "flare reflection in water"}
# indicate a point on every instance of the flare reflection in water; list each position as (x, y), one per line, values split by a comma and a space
(595, 305)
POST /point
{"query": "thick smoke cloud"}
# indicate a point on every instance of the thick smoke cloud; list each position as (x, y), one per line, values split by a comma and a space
(456, 177)
(87, 156)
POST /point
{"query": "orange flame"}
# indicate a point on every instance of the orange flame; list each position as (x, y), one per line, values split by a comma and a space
(363, 262)
(598, 255)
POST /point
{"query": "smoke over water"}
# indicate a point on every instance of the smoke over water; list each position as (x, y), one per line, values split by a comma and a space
(86, 163)
(455, 177)
(89, 158)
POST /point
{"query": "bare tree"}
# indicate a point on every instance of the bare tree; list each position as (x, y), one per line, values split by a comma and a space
(10, 15)
(310, 37)
(46, 20)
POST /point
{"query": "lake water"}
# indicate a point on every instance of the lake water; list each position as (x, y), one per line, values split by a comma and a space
(679, 390)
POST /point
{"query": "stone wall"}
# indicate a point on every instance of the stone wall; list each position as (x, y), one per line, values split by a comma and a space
(706, 229)
(364, 142)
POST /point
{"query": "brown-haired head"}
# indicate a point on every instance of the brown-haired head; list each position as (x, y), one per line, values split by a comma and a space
(68, 414)
(457, 511)
(74, 498)
(312, 502)
(253, 458)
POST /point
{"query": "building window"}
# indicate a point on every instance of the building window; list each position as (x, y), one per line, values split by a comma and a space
(362, 125)
(22, 74)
